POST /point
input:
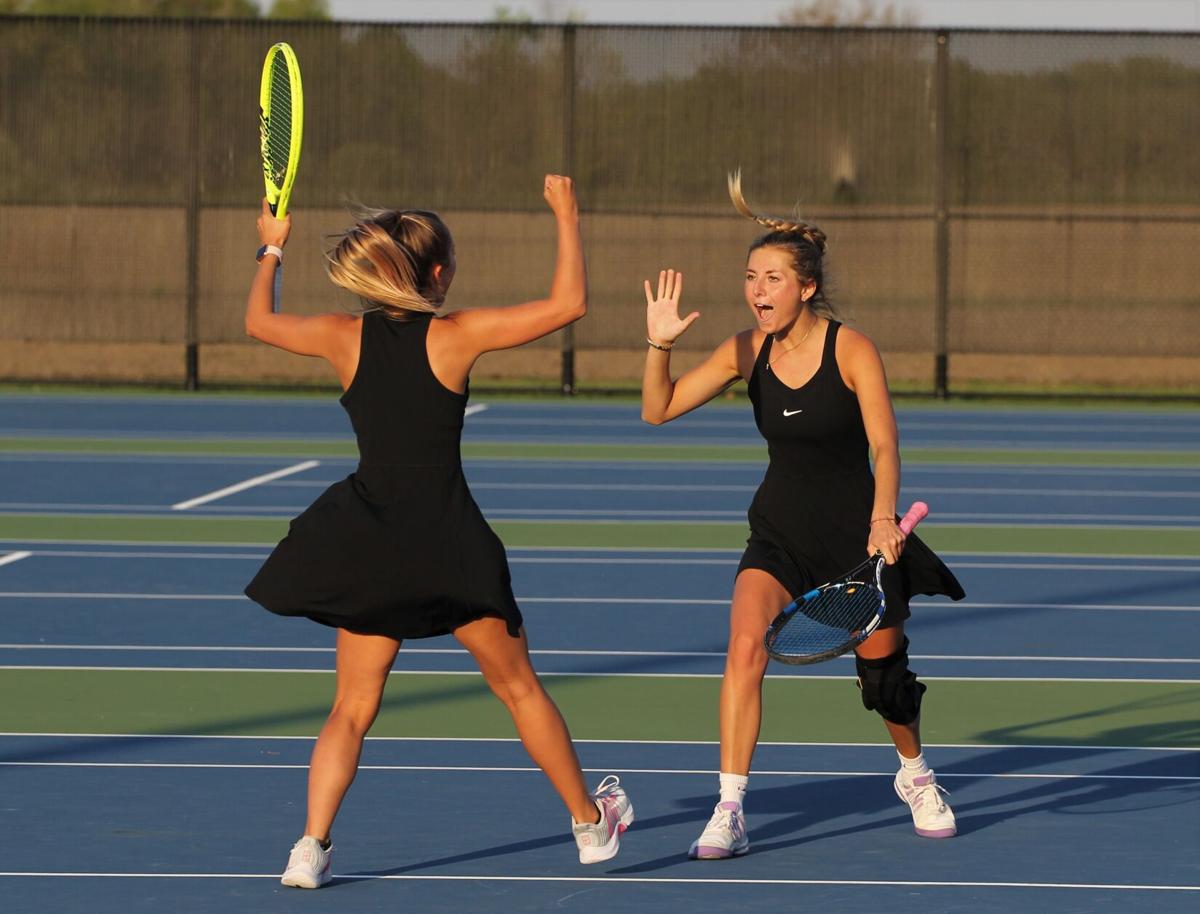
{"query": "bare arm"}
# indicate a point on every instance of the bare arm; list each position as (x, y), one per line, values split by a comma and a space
(863, 371)
(333, 337)
(664, 399)
(479, 330)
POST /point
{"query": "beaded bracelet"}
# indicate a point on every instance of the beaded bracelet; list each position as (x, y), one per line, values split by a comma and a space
(659, 346)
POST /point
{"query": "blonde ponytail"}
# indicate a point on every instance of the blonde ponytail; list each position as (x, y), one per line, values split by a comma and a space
(387, 259)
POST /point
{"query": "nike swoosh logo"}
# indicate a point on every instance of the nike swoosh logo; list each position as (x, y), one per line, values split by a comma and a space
(791, 412)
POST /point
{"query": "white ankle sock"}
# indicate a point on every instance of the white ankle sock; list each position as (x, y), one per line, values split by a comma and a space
(914, 767)
(733, 788)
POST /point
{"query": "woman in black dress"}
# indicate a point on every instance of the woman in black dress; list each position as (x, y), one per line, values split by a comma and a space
(821, 401)
(399, 549)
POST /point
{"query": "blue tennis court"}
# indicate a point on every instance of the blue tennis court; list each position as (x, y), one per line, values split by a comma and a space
(158, 726)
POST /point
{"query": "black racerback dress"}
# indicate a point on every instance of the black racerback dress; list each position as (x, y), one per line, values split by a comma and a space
(399, 547)
(810, 517)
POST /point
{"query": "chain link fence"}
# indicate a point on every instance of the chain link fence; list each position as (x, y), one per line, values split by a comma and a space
(1006, 211)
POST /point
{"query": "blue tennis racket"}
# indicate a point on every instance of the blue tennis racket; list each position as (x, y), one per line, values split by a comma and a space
(834, 618)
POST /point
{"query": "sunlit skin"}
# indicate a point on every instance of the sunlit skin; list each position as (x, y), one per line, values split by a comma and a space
(778, 298)
(454, 342)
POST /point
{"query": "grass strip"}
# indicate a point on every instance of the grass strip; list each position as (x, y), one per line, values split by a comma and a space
(567, 452)
(593, 534)
(176, 528)
(658, 708)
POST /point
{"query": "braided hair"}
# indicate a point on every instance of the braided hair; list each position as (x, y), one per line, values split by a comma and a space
(802, 240)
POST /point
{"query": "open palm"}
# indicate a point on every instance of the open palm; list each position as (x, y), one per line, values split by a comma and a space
(663, 324)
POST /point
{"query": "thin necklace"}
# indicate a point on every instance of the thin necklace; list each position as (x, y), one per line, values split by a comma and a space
(814, 323)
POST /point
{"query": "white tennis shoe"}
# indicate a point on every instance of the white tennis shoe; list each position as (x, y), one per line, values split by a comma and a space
(601, 840)
(932, 816)
(724, 835)
(308, 864)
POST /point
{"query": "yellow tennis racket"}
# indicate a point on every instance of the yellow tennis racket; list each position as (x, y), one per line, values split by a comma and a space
(281, 124)
(281, 127)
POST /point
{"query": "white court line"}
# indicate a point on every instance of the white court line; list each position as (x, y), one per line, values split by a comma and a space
(520, 769)
(568, 487)
(699, 487)
(972, 518)
(37, 595)
(716, 555)
(1091, 493)
(1087, 607)
(617, 601)
(612, 879)
(14, 557)
(474, 408)
(247, 484)
(991, 471)
(1014, 525)
(1099, 565)
(601, 514)
(74, 506)
(257, 556)
(1026, 519)
(548, 652)
(785, 744)
(782, 677)
(1096, 563)
(607, 601)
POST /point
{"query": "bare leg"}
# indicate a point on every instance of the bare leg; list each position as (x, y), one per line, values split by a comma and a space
(504, 662)
(757, 599)
(363, 662)
(884, 643)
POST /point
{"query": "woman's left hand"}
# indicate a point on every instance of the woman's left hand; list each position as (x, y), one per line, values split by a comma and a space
(888, 538)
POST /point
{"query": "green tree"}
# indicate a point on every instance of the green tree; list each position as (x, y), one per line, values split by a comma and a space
(840, 12)
(548, 11)
(299, 9)
(160, 9)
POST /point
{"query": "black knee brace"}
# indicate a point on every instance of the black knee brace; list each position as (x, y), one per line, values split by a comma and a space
(890, 687)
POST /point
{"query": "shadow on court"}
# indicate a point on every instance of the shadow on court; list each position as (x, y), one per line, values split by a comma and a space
(1184, 730)
(800, 810)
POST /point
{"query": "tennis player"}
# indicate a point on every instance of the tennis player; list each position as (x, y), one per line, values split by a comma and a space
(821, 401)
(399, 548)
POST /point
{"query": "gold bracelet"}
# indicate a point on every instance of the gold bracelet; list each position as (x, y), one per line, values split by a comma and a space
(875, 520)
(659, 346)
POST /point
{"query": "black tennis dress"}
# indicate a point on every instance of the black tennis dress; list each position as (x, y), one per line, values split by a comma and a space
(811, 516)
(399, 547)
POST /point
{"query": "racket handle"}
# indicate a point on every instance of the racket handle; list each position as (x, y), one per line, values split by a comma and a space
(917, 513)
(278, 270)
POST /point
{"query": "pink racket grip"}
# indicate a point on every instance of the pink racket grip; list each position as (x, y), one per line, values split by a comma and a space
(917, 513)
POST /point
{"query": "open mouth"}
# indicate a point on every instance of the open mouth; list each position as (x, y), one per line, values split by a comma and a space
(763, 311)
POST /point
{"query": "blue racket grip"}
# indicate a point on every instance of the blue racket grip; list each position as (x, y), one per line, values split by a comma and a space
(801, 600)
(278, 271)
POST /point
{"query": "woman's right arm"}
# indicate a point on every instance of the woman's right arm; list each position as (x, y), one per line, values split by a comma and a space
(662, 398)
(333, 337)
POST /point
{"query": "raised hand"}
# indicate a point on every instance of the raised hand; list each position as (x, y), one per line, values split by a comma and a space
(663, 324)
(559, 191)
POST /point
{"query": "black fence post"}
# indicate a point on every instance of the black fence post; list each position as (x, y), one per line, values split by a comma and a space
(192, 315)
(941, 381)
(567, 379)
